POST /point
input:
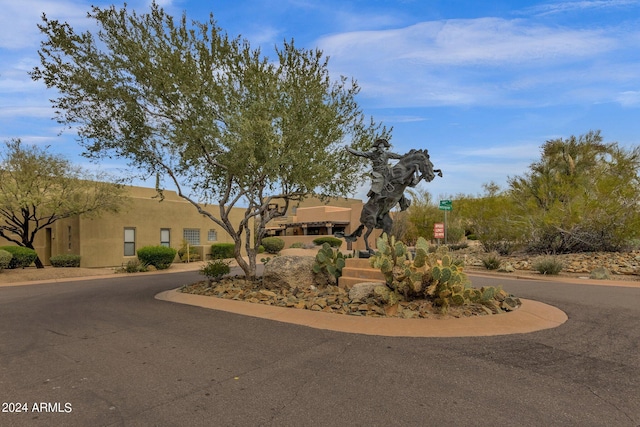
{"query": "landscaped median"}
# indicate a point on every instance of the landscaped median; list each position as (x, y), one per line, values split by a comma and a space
(530, 317)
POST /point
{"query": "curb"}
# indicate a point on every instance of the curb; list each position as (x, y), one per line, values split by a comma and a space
(530, 317)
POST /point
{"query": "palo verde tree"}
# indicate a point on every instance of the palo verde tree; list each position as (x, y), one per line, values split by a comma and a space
(207, 113)
(38, 188)
(582, 195)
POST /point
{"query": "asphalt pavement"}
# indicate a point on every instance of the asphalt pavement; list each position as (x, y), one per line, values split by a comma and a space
(105, 352)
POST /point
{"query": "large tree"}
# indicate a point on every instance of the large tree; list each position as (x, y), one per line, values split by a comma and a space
(38, 188)
(582, 195)
(223, 124)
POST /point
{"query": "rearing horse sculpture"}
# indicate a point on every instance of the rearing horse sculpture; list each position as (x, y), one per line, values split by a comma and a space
(408, 172)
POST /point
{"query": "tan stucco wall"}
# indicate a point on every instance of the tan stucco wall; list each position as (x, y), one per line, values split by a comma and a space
(100, 241)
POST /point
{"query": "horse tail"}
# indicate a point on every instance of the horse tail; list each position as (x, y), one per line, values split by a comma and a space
(351, 237)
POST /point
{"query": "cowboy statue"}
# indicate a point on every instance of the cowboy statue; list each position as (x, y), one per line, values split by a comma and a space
(388, 184)
(379, 156)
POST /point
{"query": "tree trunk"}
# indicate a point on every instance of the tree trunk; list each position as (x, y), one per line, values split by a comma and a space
(38, 263)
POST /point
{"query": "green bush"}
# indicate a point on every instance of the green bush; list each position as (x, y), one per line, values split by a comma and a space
(214, 270)
(222, 250)
(297, 245)
(548, 265)
(5, 259)
(334, 242)
(21, 257)
(272, 245)
(160, 257)
(65, 260)
(491, 261)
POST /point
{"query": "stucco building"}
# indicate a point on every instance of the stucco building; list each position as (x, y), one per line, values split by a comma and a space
(112, 239)
(312, 218)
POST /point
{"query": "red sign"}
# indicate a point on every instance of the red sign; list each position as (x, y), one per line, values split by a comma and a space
(438, 230)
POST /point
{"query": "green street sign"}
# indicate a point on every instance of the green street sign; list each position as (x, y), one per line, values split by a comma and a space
(445, 205)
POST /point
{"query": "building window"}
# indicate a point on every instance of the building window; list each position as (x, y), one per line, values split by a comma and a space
(129, 241)
(191, 235)
(212, 236)
(165, 237)
(69, 236)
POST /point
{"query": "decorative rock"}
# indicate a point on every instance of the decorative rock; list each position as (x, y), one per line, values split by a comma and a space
(289, 271)
(360, 291)
(506, 268)
(600, 273)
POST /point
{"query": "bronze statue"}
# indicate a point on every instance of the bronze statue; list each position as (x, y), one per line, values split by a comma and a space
(379, 157)
(388, 185)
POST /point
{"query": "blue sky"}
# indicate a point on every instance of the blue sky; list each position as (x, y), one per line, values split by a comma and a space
(480, 84)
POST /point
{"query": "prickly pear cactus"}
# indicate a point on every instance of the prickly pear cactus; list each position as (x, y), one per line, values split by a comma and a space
(434, 275)
(329, 260)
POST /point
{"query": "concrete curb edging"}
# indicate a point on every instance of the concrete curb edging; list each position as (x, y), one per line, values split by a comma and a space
(530, 317)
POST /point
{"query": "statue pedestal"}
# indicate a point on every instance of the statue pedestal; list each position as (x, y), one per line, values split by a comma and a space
(357, 270)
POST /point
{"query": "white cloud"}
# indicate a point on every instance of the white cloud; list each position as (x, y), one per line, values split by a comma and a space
(572, 6)
(19, 19)
(629, 98)
(489, 61)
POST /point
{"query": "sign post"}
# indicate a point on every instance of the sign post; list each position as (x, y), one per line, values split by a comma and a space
(445, 205)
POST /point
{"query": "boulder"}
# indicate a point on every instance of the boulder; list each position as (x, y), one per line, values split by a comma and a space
(360, 291)
(600, 273)
(288, 272)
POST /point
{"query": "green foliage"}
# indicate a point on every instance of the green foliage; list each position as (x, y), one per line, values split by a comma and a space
(329, 260)
(21, 257)
(491, 261)
(160, 257)
(65, 260)
(215, 269)
(272, 245)
(5, 259)
(493, 219)
(183, 100)
(334, 242)
(569, 197)
(297, 245)
(222, 250)
(38, 188)
(548, 265)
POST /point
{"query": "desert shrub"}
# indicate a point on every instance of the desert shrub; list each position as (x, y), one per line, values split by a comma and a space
(273, 245)
(21, 257)
(491, 261)
(548, 265)
(334, 242)
(215, 269)
(222, 250)
(260, 249)
(65, 260)
(160, 257)
(454, 234)
(458, 246)
(191, 255)
(5, 259)
(503, 247)
(297, 245)
(134, 266)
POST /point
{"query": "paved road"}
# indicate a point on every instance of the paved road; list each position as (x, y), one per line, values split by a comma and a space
(106, 353)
